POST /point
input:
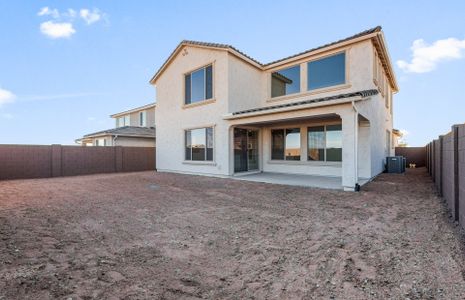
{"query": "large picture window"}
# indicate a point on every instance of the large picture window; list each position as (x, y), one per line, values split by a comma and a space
(199, 144)
(326, 72)
(198, 85)
(285, 81)
(285, 144)
(325, 143)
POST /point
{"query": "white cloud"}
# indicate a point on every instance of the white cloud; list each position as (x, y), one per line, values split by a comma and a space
(71, 13)
(90, 16)
(6, 97)
(45, 11)
(57, 96)
(7, 116)
(57, 30)
(425, 57)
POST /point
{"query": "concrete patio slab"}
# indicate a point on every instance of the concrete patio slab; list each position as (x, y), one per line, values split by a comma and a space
(324, 182)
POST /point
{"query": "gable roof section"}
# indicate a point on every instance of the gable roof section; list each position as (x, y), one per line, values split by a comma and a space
(133, 131)
(217, 46)
(358, 35)
(132, 110)
(375, 32)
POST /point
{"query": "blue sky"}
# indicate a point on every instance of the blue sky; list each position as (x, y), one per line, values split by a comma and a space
(65, 69)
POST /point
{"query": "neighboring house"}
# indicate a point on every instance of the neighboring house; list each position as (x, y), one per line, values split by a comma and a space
(134, 127)
(326, 111)
(397, 136)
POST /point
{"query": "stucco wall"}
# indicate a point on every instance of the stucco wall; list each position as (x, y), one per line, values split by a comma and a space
(135, 142)
(237, 86)
(134, 117)
(247, 85)
(173, 118)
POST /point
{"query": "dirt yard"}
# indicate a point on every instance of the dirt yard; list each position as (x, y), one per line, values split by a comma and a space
(166, 236)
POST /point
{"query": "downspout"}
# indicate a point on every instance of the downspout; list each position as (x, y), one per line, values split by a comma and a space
(354, 107)
(114, 140)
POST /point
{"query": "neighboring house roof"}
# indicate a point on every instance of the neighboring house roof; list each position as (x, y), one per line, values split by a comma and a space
(363, 94)
(397, 132)
(370, 33)
(129, 131)
(147, 106)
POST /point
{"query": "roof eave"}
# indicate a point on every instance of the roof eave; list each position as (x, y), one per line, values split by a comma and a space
(321, 50)
(293, 108)
(383, 46)
(185, 44)
(144, 107)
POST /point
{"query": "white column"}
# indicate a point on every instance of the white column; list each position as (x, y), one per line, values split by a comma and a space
(349, 150)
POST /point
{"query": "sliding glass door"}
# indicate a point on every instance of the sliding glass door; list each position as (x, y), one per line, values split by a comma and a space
(245, 150)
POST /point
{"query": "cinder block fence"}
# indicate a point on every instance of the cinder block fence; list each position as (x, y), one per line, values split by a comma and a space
(37, 161)
(445, 162)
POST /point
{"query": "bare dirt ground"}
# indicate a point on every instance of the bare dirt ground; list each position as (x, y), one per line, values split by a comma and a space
(167, 236)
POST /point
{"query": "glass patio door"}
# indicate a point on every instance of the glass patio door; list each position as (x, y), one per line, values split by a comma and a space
(245, 150)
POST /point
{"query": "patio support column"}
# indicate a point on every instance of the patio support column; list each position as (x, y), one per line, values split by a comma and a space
(349, 150)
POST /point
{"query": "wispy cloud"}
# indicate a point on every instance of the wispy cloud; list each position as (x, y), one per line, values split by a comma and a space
(7, 116)
(90, 16)
(57, 30)
(6, 97)
(61, 24)
(57, 96)
(46, 11)
(426, 57)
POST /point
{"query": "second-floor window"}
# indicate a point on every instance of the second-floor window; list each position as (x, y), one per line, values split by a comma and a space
(285, 81)
(143, 118)
(123, 121)
(326, 72)
(198, 85)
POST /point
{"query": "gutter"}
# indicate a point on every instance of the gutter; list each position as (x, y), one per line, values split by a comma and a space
(230, 116)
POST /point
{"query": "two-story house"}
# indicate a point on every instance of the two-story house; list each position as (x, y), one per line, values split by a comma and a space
(326, 111)
(134, 127)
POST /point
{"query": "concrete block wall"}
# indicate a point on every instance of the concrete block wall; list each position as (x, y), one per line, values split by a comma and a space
(445, 161)
(34, 161)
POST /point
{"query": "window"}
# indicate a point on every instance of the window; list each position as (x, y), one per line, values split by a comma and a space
(285, 82)
(387, 99)
(199, 144)
(326, 72)
(285, 144)
(198, 85)
(325, 143)
(123, 121)
(143, 118)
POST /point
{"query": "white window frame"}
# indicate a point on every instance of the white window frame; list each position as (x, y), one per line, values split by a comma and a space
(284, 142)
(325, 132)
(143, 118)
(206, 145)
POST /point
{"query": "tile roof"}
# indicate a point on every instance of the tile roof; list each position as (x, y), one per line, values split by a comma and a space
(126, 131)
(226, 46)
(363, 94)
(217, 45)
(360, 34)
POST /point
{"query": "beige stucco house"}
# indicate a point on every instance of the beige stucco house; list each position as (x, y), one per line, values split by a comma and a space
(134, 127)
(326, 111)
